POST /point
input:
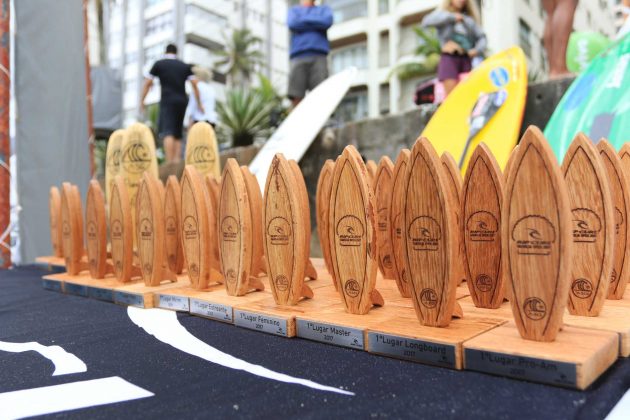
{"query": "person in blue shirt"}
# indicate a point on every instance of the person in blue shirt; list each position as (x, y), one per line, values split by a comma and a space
(308, 24)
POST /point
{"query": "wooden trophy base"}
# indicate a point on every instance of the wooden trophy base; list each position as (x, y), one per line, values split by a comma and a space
(140, 295)
(86, 286)
(575, 359)
(51, 263)
(503, 312)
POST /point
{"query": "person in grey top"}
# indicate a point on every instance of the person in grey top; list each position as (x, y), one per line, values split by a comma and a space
(461, 39)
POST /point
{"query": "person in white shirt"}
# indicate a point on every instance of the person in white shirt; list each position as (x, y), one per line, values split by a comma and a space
(207, 97)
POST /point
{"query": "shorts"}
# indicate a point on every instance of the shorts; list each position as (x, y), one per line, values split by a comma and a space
(452, 65)
(171, 119)
(305, 74)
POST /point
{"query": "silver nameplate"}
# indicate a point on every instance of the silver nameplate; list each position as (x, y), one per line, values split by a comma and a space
(76, 289)
(260, 322)
(426, 352)
(211, 310)
(53, 285)
(130, 299)
(331, 334)
(101, 294)
(175, 303)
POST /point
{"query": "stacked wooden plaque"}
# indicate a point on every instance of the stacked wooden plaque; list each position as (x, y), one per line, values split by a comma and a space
(519, 274)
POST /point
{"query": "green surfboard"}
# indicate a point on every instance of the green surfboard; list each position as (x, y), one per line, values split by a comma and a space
(597, 102)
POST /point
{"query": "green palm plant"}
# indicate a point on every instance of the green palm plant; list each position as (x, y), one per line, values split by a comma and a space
(241, 56)
(426, 56)
(244, 115)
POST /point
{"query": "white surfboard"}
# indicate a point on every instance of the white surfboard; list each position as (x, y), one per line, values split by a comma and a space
(300, 128)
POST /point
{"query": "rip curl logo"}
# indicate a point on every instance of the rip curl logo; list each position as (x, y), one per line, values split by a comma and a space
(428, 298)
(483, 283)
(534, 235)
(387, 261)
(136, 156)
(113, 162)
(279, 231)
(146, 230)
(91, 230)
(352, 288)
(194, 269)
(231, 275)
(582, 288)
(350, 231)
(282, 283)
(534, 308)
(482, 226)
(171, 225)
(586, 225)
(229, 229)
(618, 220)
(116, 229)
(383, 221)
(190, 227)
(201, 156)
(424, 233)
(613, 276)
(65, 229)
(148, 267)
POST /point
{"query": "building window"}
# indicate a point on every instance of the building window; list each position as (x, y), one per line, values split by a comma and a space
(153, 2)
(355, 55)
(344, 10)
(153, 53)
(159, 23)
(383, 7)
(206, 16)
(524, 36)
(354, 106)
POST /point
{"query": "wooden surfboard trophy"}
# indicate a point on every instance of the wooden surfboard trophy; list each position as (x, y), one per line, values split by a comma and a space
(396, 233)
(137, 157)
(537, 239)
(322, 200)
(593, 227)
(454, 181)
(198, 231)
(235, 233)
(256, 207)
(96, 232)
(172, 224)
(285, 234)
(150, 232)
(201, 149)
(112, 161)
(121, 233)
(480, 224)
(383, 193)
(430, 244)
(54, 207)
(371, 167)
(311, 273)
(352, 234)
(213, 185)
(72, 229)
(620, 193)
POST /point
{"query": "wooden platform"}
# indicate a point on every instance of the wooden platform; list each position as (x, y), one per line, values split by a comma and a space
(504, 312)
(142, 296)
(575, 359)
(51, 262)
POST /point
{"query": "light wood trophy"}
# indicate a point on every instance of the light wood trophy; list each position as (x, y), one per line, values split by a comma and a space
(285, 238)
(383, 192)
(396, 233)
(322, 198)
(201, 149)
(72, 229)
(352, 234)
(480, 224)
(198, 231)
(54, 207)
(121, 233)
(96, 232)
(255, 205)
(172, 224)
(112, 161)
(213, 186)
(430, 237)
(536, 230)
(620, 194)
(454, 180)
(311, 272)
(234, 225)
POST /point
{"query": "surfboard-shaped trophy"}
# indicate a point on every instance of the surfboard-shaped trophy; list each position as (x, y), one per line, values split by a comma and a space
(285, 234)
(322, 200)
(256, 209)
(383, 193)
(72, 229)
(54, 207)
(396, 233)
(371, 167)
(454, 181)
(620, 194)
(172, 223)
(311, 273)
(537, 239)
(352, 234)
(96, 232)
(201, 149)
(430, 244)
(593, 227)
(480, 224)
(198, 231)
(213, 185)
(121, 233)
(112, 161)
(235, 233)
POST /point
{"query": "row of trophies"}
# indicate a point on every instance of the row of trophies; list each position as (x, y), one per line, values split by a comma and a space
(544, 236)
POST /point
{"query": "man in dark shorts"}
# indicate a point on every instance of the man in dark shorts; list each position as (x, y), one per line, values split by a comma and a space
(309, 47)
(173, 74)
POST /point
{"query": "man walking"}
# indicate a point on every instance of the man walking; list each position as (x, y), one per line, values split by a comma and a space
(309, 47)
(172, 74)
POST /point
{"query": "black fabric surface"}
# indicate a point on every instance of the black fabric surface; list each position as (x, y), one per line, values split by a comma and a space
(102, 335)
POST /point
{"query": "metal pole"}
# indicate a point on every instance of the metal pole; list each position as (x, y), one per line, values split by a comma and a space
(88, 86)
(5, 140)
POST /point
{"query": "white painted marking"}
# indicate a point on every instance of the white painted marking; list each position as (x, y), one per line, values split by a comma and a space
(164, 326)
(65, 363)
(71, 396)
(621, 411)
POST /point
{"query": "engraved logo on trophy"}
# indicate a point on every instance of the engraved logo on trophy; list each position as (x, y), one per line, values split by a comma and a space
(582, 288)
(482, 226)
(534, 308)
(201, 155)
(586, 225)
(279, 231)
(231, 275)
(171, 226)
(428, 298)
(190, 228)
(229, 229)
(91, 230)
(116, 229)
(534, 235)
(146, 230)
(352, 288)
(382, 219)
(425, 233)
(136, 157)
(484, 282)
(113, 161)
(350, 231)
(282, 283)
(65, 229)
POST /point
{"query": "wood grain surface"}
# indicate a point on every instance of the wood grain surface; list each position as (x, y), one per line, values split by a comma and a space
(54, 208)
(172, 225)
(96, 231)
(112, 161)
(322, 201)
(383, 183)
(454, 182)
(397, 234)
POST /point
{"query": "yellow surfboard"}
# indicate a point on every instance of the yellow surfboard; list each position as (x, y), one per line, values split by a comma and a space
(485, 107)
(202, 151)
(137, 157)
(112, 161)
